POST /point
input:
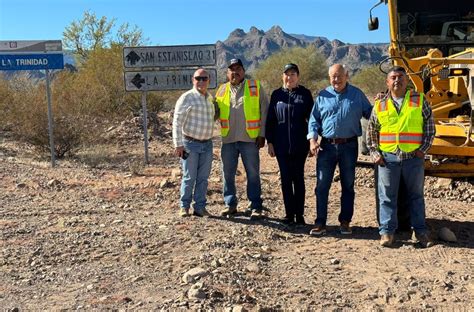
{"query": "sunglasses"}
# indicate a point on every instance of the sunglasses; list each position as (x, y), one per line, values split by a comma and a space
(201, 78)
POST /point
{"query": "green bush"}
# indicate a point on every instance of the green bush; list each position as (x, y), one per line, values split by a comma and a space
(370, 80)
(310, 62)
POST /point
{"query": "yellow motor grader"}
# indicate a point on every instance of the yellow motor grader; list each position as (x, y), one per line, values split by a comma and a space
(434, 41)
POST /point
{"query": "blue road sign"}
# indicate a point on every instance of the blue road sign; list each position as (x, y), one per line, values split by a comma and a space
(31, 61)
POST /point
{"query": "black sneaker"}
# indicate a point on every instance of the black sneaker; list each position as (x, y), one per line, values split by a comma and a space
(256, 214)
(345, 228)
(300, 220)
(318, 230)
(287, 221)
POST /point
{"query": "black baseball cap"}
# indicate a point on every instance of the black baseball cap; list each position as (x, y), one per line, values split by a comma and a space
(292, 67)
(235, 61)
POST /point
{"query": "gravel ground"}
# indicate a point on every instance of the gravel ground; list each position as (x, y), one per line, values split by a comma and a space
(93, 235)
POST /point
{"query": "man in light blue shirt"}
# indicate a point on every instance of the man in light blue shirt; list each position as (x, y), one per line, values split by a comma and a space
(335, 118)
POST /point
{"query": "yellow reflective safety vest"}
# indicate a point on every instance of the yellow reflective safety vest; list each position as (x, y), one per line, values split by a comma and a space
(402, 130)
(251, 107)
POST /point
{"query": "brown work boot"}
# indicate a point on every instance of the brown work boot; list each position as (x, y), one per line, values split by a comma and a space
(345, 228)
(229, 210)
(386, 240)
(424, 240)
(201, 213)
(183, 212)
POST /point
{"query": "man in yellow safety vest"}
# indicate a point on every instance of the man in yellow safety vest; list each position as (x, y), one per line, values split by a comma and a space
(242, 108)
(400, 132)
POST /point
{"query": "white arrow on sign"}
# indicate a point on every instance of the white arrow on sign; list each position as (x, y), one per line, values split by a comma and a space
(164, 80)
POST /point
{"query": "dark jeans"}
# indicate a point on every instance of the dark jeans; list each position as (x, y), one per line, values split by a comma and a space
(292, 183)
(345, 156)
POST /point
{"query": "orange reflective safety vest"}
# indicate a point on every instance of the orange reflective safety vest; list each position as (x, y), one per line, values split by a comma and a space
(402, 130)
(251, 107)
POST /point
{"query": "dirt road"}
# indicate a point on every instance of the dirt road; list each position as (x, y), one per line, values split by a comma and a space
(76, 237)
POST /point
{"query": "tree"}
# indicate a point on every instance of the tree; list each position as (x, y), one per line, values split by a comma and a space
(91, 33)
(370, 80)
(310, 61)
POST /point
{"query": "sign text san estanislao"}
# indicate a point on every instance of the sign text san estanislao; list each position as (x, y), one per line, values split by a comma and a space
(159, 68)
(34, 55)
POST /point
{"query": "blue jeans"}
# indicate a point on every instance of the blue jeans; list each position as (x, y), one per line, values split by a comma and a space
(251, 160)
(330, 155)
(412, 172)
(196, 170)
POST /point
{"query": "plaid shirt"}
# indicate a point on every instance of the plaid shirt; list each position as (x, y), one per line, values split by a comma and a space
(193, 117)
(429, 130)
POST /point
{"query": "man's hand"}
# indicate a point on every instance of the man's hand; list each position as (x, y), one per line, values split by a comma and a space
(420, 154)
(313, 147)
(260, 142)
(378, 160)
(178, 151)
(271, 150)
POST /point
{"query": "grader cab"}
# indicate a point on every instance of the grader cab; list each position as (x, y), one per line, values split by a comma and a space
(434, 41)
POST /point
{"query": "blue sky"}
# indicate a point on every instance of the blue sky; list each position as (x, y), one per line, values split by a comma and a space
(178, 22)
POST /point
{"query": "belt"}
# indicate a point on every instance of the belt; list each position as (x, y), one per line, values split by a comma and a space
(195, 140)
(339, 140)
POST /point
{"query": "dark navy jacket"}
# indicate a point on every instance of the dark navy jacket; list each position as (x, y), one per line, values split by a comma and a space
(287, 120)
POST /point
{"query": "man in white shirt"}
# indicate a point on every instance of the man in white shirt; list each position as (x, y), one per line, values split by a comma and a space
(193, 124)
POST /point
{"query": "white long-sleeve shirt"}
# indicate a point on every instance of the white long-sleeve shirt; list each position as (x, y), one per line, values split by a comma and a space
(193, 117)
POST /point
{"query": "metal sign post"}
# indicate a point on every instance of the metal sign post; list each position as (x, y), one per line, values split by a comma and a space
(144, 71)
(50, 120)
(35, 55)
(145, 126)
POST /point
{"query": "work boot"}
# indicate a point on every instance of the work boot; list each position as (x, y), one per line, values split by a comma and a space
(345, 228)
(229, 210)
(386, 240)
(201, 213)
(424, 240)
(184, 212)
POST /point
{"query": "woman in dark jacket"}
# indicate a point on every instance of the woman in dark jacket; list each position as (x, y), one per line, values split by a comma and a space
(286, 130)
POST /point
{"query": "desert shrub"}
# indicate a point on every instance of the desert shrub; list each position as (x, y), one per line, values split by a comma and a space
(310, 62)
(97, 88)
(25, 111)
(84, 101)
(370, 80)
(6, 100)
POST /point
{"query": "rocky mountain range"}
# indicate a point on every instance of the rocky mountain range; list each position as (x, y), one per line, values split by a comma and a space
(256, 45)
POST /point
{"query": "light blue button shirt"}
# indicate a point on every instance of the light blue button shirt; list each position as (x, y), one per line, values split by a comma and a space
(337, 115)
